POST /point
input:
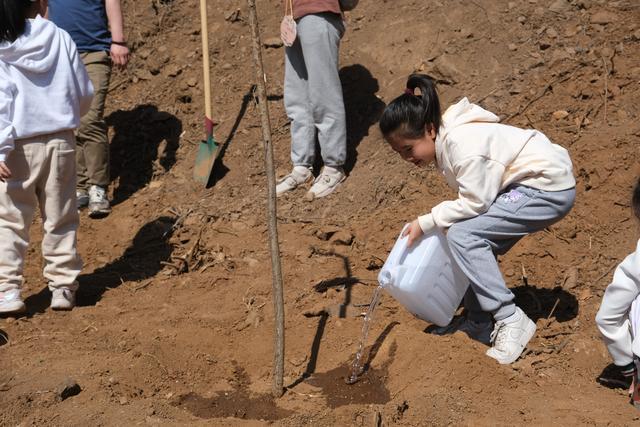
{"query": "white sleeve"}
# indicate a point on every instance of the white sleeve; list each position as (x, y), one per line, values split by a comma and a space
(7, 131)
(613, 316)
(479, 180)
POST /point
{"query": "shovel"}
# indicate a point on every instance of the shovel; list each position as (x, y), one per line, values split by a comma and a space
(208, 149)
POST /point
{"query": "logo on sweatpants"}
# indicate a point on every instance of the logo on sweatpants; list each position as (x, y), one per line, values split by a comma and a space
(511, 197)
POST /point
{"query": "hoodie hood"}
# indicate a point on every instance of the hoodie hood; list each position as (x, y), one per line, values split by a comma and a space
(464, 112)
(36, 50)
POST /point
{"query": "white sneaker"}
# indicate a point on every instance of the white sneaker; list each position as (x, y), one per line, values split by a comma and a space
(510, 336)
(10, 302)
(99, 205)
(479, 331)
(326, 182)
(63, 299)
(298, 176)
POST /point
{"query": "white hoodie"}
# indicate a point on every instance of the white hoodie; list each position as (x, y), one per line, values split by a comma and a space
(619, 311)
(480, 157)
(44, 87)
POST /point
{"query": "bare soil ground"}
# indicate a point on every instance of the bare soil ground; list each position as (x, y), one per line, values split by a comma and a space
(175, 319)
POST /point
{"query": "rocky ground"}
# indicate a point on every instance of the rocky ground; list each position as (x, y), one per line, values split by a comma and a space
(175, 319)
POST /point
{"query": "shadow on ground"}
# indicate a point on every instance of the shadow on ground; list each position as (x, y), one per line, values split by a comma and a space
(143, 146)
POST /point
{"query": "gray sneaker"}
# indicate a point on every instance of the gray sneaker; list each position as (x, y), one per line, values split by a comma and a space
(82, 199)
(99, 206)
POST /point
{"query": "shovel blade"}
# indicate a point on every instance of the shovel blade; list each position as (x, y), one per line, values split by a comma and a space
(205, 159)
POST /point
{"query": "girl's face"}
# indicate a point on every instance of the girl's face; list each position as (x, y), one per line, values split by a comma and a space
(421, 151)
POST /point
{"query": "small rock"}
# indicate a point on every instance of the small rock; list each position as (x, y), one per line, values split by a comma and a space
(173, 70)
(342, 238)
(603, 17)
(68, 388)
(192, 82)
(512, 46)
(272, 42)
(560, 114)
(324, 233)
(466, 33)
(560, 6)
(123, 400)
(232, 16)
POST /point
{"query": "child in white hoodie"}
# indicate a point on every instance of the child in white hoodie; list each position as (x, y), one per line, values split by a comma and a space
(619, 316)
(511, 182)
(44, 90)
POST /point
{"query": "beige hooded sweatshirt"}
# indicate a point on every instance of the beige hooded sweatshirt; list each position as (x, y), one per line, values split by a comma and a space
(480, 157)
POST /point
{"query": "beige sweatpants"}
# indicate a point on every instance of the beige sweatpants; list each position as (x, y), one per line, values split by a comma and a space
(43, 170)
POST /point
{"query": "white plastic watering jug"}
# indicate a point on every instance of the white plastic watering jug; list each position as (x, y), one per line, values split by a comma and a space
(424, 278)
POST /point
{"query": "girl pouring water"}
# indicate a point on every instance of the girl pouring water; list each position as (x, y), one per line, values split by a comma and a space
(510, 182)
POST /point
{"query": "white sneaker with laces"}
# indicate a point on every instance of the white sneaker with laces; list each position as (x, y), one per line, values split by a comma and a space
(326, 183)
(298, 176)
(510, 336)
(10, 302)
(478, 331)
(63, 299)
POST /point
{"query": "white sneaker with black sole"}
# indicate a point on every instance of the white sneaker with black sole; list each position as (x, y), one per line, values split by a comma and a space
(10, 302)
(510, 337)
(99, 206)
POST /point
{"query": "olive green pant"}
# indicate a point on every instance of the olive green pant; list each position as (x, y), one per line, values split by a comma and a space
(92, 150)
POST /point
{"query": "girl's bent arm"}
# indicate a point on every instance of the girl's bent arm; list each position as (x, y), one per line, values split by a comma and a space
(479, 180)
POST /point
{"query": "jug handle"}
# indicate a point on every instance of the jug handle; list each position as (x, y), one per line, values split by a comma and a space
(404, 244)
(386, 277)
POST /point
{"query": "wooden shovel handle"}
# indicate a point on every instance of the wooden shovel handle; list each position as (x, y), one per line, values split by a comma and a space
(204, 32)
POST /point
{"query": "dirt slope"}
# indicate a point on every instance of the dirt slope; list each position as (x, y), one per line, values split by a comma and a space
(175, 318)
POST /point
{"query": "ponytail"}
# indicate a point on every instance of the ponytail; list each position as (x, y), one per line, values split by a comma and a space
(635, 200)
(412, 114)
(13, 18)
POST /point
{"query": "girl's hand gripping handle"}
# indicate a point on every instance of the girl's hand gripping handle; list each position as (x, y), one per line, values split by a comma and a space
(413, 231)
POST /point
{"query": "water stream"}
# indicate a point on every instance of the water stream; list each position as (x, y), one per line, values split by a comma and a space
(356, 368)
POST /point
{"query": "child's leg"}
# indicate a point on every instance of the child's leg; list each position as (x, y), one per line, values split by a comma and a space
(297, 105)
(320, 39)
(475, 242)
(56, 193)
(17, 206)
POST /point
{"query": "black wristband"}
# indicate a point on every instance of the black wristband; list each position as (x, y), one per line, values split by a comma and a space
(119, 43)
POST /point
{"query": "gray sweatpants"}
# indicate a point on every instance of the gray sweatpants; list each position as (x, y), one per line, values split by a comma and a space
(476, 242)
(313, 93)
